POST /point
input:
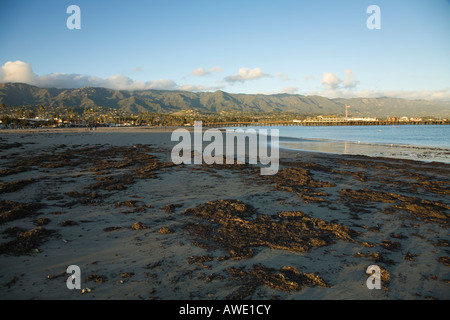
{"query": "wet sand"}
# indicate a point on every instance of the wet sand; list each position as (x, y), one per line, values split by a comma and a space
(139, 227)
(395, 151)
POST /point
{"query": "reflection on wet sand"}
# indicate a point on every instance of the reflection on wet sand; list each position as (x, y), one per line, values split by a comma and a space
(367, 149)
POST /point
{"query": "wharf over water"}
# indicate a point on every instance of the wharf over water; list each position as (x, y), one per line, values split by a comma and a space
(323, 123)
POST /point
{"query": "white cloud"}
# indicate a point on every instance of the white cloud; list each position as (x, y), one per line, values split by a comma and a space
(201, 72)
(436, 95)
(289, 89)
(19, 71)
(350, 79)
(331, 81)
(334, 87)
(117, 82)
(245, 74)
(442, 95)
(159, 84)
(197, 88)
(282, 76)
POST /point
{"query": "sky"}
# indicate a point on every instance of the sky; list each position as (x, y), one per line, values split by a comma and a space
(248, 46)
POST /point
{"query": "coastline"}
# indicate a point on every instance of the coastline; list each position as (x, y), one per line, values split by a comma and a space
(395, 151)
(96, 129)
(111, 202)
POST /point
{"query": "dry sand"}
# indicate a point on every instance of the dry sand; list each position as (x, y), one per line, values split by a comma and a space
(139, 227)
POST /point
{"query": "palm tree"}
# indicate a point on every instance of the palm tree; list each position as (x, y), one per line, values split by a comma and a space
(41, 113)
(2, 106)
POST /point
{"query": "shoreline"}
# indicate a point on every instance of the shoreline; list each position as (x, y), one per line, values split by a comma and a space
(290, 144)
(139, 227)
(87, 129)
(369, 149)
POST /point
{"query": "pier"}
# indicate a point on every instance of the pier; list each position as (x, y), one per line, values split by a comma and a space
(324, 123)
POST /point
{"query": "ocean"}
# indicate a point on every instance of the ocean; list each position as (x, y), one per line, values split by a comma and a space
(409, 135)
(417, 142)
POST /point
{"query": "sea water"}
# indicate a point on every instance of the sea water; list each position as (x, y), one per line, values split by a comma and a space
(417, 142)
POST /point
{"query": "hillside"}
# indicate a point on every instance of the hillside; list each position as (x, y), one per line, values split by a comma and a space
(19, 94)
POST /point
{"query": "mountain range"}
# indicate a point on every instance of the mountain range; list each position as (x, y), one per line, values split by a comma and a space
(20, 94)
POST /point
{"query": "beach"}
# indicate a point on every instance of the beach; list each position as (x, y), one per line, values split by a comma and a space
(112, 202)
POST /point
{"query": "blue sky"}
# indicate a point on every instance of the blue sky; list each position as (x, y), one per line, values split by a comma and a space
(303, 47)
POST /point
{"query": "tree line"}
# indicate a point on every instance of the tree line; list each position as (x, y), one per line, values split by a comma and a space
(32, 116)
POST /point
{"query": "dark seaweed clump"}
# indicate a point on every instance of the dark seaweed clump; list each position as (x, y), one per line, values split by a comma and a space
(26, 242)
(286, 279)
(237, 227)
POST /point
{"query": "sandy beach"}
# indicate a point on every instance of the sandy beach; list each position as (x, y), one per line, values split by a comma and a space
(139, 227)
